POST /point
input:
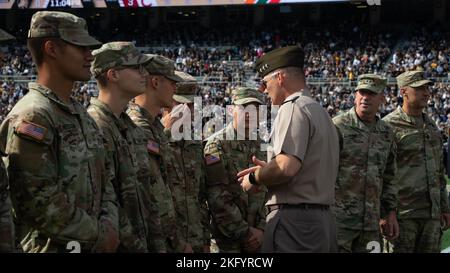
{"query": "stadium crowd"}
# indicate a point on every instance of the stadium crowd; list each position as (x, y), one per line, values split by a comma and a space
(223, 59)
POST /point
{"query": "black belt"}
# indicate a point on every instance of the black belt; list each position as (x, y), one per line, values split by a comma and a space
(271, 208)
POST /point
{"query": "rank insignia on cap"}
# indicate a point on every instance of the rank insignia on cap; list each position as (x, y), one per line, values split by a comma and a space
(279, 58)
(263, 68)
(153, 147)
(32, 130)
(367, 81)
(212, 159)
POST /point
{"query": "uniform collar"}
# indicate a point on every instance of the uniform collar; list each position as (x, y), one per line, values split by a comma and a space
(146, 114)
(358, 123)
(410, 119)
(122, 122)
(73, 108)
(230, 130)
(296, 95)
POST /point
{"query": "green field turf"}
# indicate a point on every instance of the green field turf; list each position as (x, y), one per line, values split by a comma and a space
(446, 236)
(446, 239)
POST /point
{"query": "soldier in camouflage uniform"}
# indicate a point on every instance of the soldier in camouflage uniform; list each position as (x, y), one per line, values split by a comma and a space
(6, 219)
(160, 88)
(187, 171)
(118, 68)
(423, 209)
(56, 161)
(238, 217)
(367, 168)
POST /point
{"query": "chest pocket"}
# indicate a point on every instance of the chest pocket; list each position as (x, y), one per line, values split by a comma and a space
(142, 157)
(73, 148)
(410, 142)
(126, 151)
(434, 154)
(236, 159)
(355, 145)
(75, 166)
(154, 151)
(434, 140)
(239, 160)
(380, 146)
(96, 162)
(176, 164)
(193, 167)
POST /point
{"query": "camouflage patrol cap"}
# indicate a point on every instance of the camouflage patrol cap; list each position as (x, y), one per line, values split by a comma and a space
(244, 95)
(5, 36)
(186, 89)
(163, 66)
(63, 25)
(279, 58)
(115, 54)
(412, 79)
(372, 82)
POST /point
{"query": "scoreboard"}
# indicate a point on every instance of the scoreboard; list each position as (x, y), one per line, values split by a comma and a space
(43, 4)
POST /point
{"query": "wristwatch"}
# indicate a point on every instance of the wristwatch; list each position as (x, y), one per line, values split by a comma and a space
(252, 179)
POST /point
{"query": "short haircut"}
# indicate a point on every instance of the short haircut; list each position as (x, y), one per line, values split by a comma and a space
(36, 48)
(102, 79)
(292, 71)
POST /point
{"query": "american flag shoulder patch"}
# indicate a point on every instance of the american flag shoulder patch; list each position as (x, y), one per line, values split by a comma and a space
(153, 147)
(32, 130)
(212, 159)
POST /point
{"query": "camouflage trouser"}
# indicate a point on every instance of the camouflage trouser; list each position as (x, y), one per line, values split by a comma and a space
(230, 251)
(197, 247)
(226, 246)
(358, 241)
(231, 247)
(174, 244)
(418, 236)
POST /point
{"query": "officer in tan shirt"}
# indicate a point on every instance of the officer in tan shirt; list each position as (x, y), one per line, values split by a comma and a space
(302, 161)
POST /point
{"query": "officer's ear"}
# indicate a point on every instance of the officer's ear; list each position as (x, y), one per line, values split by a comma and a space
(280, 77)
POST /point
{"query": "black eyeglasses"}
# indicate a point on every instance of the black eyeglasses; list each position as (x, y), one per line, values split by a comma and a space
(262, 85)
(263, 82)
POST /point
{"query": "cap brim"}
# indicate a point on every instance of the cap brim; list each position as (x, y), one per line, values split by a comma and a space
(247, 100)
(141, 59)
(174, 78)
(184, 98)
(420, 83)
(82, 40)
(369, 87)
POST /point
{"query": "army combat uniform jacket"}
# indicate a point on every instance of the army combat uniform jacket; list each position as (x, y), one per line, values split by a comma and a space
(157, 149)
(233, 211)
(420, 177)
(56, 166)
(365, 183)
(139, 221)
